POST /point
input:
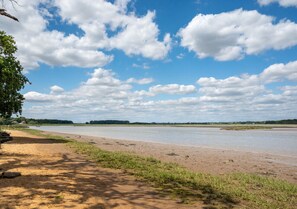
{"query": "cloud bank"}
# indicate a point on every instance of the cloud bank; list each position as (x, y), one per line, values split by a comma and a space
(104, 95)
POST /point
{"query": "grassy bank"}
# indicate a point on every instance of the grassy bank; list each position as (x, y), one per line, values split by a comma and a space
(234, 190)
(242, 128)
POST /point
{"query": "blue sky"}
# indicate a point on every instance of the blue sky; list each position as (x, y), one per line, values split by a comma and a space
(152, 60)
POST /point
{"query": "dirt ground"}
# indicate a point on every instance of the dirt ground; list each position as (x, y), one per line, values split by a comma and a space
(55, 177)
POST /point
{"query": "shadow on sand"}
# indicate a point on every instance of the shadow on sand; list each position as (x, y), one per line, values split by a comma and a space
(27, 140)
(71, 181)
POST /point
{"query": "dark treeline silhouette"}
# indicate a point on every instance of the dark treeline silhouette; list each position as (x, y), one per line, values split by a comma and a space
(287, 121)
(32, 121)
(49, 121)
(108, 122)
(292, 121)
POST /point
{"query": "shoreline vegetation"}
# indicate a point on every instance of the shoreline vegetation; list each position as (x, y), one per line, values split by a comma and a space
(22, 122)
(32, 121)
(239, 190)
(227, 127)
(244, 127)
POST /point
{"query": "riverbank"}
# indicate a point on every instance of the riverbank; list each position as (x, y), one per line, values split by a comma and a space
(199, 159)
(56, 174)
(277, 141)
(53, 176)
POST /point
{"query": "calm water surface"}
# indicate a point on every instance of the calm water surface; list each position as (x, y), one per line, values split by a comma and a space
(280, 141)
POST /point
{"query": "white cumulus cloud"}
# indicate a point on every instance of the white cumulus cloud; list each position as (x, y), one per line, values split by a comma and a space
(230, 89)
(247, 89)
(284, 3)
(280, 72)
(232, 35)
(134, 35)
(36, 44)
(95, 26)
(172, 89)
(56, 89)
(140, 38)
(140, 81)
(34, 96)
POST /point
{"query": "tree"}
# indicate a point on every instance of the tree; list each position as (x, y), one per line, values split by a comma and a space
(11, 78)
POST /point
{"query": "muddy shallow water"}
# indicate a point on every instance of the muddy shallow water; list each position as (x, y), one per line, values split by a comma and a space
(280, 141)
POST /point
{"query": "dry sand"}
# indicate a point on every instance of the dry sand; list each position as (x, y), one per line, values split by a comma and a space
(206, 160)
(54, 177)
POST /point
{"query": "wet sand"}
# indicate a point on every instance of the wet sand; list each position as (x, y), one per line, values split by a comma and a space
(200, 159)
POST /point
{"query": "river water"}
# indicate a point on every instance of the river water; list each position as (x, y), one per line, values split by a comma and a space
(281, 141)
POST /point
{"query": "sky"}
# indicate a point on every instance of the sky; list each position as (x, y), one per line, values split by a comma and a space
(157, 60)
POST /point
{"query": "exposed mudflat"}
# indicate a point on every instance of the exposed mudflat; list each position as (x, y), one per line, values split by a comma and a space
(206, 160)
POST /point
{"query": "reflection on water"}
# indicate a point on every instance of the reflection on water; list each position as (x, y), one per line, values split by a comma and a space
(276, 141)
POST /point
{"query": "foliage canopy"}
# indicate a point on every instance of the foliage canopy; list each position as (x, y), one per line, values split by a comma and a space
(11, 78)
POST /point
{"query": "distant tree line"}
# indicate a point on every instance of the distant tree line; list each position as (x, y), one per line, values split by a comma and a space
(292, 121)
(108, 122)
(287, 121)
(49, 121)
(31, 121)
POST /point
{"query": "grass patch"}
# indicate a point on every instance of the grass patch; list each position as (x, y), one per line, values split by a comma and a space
(238, 190)
(242, 128)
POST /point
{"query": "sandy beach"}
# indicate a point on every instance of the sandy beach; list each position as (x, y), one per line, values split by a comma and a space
(53, 176)
(206, 160)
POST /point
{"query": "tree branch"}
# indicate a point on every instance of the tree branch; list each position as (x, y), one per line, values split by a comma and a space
(4, 13)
